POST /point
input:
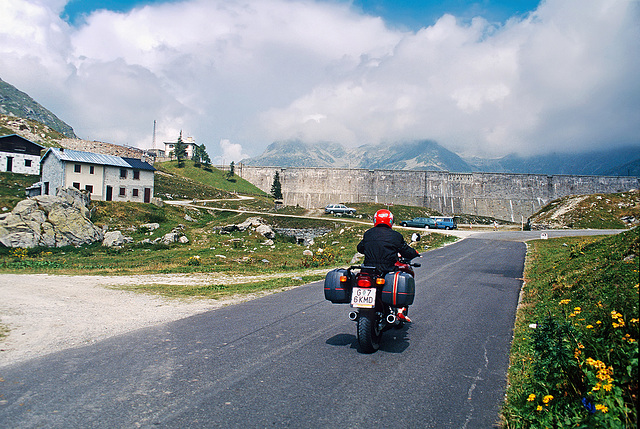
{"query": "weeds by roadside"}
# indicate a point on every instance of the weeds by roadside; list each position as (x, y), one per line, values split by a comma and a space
(574, 358)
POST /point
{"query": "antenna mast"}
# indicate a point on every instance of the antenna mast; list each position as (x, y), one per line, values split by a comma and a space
(154, 134)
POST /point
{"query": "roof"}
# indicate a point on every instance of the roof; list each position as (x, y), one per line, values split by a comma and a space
(138, 164)
(70, 155)
(18, 144)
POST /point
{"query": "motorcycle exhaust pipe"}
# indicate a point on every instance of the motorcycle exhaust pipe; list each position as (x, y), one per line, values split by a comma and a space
(391, 319)
(353, 316)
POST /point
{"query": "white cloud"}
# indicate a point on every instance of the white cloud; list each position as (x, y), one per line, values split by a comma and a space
(254, 71)
(228, 152)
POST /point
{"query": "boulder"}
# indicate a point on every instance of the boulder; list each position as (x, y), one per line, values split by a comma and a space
(115, 238)
(265, 231)
(50, 221)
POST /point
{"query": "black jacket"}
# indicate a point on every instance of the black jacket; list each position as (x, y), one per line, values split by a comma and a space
(381, 245)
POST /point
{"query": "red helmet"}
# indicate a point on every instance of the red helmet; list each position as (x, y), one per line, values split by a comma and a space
(383, 216)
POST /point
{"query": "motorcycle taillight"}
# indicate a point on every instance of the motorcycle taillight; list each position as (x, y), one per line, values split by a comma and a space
(364, 282)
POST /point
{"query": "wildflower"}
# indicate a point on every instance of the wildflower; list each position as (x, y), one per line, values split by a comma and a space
(608, 386)
(565, 301)
(598, 322)
(634, 320)
(547, 399)
(531, 397)
(600, 304)
(539, 408)
(601, 407)
(589, 326)
(577, 310)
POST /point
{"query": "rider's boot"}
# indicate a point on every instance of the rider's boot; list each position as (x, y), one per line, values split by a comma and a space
(403, 316)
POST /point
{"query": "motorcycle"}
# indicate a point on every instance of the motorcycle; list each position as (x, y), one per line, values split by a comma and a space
(376, 298)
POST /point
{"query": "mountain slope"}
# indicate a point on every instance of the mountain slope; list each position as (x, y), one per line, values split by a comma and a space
(615, 162)
(415, 155)
(14, 102)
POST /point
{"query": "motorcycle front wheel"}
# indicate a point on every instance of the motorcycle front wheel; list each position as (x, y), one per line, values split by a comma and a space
(369, 333)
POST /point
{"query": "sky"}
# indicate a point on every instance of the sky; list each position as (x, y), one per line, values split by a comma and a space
(482, 78)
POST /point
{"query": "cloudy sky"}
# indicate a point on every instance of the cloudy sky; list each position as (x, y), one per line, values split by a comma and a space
(481, 77)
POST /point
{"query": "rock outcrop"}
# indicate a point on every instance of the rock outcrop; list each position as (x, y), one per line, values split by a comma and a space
(50, 221)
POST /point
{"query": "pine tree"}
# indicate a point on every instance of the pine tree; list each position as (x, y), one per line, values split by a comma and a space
(276, 187)
(197, 154)
(180, 151)
(232, 170)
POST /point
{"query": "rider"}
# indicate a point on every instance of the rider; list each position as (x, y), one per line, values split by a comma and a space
(381, 246)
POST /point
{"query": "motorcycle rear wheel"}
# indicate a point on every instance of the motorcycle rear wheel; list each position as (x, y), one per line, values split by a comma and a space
(369, 333)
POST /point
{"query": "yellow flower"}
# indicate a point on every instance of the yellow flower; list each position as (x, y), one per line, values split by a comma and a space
(565, 301)
(607, 387)
(634, 320)
(547, 399)
(598, 322)
(539, 408)
(531, 397)
(602, 408)
(589, 326)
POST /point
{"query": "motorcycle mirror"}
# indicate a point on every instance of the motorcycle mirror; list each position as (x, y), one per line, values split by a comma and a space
(417, 265)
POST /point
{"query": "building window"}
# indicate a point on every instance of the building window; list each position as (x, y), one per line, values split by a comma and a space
(91, 169)
(89, 188)
(46, 188)
(123, 191)
(77, 168)
(134, 192)
(123, 173)
(27, 163)
(136, 175)
(76, 185)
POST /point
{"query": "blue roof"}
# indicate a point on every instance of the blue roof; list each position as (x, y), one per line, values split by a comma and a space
(138, 164)
(98, 159)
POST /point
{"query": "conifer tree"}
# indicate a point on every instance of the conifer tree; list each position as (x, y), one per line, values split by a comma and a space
(276, 187)
(180, 151)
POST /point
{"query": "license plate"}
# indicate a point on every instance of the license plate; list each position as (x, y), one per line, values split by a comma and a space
(363, 297)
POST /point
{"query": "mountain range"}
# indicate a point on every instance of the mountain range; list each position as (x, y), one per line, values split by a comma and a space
(429, 155)
(401, 155)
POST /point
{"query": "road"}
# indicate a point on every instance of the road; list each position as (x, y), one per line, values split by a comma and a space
(290, 360)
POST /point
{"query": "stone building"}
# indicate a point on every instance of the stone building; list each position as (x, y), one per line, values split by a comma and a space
(19, 155)
(105, 177)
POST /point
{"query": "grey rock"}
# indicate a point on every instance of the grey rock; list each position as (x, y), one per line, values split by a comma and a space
(115, 239)
(50, 221)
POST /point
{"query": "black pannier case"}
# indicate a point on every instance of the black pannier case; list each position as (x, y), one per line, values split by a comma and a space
(399, 289)
(334, 290)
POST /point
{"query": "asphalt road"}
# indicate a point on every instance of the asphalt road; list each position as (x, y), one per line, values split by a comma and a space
(290, 360)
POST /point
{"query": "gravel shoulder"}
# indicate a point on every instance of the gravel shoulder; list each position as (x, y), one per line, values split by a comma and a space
(48, 313)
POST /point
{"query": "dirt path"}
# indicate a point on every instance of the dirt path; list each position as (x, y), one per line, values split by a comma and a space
(47, 313)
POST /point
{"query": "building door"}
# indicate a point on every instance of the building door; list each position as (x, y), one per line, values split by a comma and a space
(147, 195)
(109, 193)
(9, 163)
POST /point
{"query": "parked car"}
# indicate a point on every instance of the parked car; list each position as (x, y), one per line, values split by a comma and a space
(445, 222)
(339, 209)
(419, 222)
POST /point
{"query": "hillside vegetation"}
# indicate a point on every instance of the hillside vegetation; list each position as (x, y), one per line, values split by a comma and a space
(574, 357)
(597, 211)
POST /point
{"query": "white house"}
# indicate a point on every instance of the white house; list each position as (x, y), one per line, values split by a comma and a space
(189, 144)
(19, 155)
(106, 177)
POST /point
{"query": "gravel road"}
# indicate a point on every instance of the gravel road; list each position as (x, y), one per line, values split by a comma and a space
(47, 313)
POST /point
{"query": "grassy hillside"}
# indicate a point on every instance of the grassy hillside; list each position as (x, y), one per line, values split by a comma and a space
(212, 177)
(574, 357)
(12, 189)
(598, 211)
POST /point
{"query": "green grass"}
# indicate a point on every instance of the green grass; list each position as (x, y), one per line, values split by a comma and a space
(12, 188)
(574, 358)
(211, 177)
(219, 291)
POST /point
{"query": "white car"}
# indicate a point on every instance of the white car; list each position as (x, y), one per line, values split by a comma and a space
(339, 209)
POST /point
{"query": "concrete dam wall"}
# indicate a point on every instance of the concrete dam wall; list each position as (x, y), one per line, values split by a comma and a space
(512, 197)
